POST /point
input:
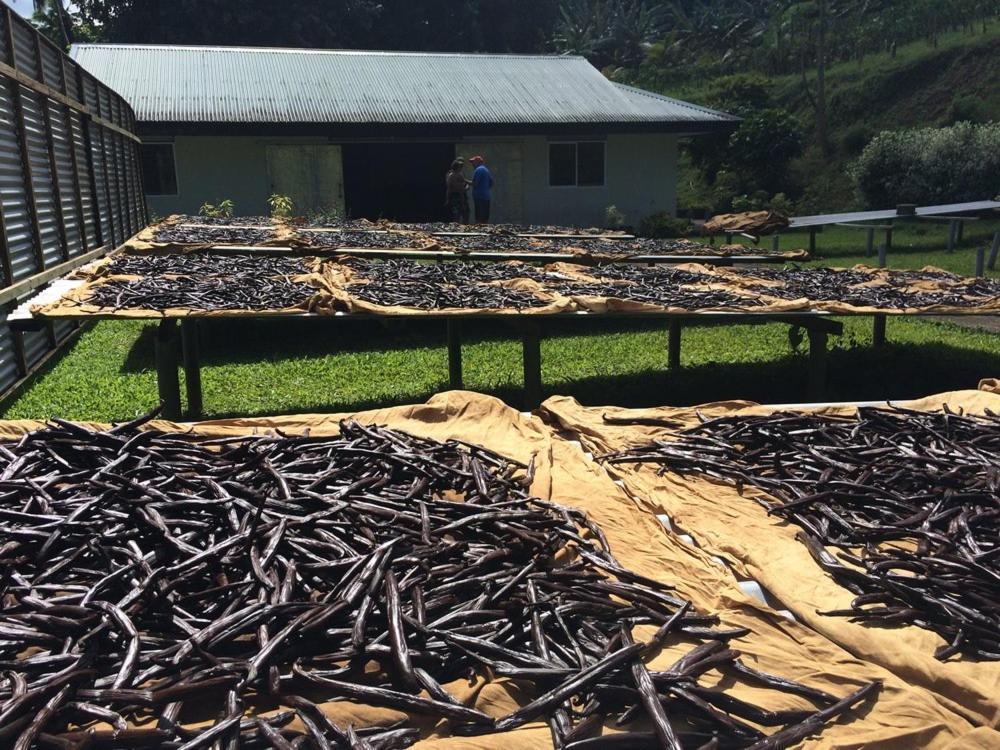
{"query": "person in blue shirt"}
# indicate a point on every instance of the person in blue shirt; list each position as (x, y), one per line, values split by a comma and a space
(482, 186)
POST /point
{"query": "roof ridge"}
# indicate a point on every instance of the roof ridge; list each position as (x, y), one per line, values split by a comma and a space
(322, 51)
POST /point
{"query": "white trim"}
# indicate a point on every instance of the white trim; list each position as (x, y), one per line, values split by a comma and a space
(576, 166)
(173, 159)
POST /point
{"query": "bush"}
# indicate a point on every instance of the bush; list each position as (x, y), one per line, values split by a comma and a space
(968, 108)
(763, 145)
(855, 139)
(662, 225)
(613, 218)
(929, 166)
(739, 94)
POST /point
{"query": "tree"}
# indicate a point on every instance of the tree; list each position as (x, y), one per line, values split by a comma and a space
(609, 32)
(433, 25)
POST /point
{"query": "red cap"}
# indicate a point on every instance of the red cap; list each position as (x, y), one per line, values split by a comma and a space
(477, 158)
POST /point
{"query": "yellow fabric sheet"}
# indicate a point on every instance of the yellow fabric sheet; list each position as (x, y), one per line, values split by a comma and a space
(764, 548)
(904, 717)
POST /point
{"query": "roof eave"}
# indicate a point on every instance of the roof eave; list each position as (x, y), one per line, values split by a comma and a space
(369, 130)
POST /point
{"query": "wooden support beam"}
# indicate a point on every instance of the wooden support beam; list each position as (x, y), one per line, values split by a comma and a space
(454, 334)
(192, 366)
(994, 251)
(167, 381)
(531, 350)
(817, 363)
(674, 344)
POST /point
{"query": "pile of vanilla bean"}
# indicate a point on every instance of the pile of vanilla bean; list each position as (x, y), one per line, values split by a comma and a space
(165, 591)
(405, 271)
(908, 501)
(226, 221)
(250, 290)
(367, 240)
(204, 264)
(889, 291)
(227, 234)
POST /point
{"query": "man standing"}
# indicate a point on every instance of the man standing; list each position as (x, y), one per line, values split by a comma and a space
(482, 185)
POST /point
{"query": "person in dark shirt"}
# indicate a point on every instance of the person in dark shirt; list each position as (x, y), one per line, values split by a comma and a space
(455, 189)
(482, 187)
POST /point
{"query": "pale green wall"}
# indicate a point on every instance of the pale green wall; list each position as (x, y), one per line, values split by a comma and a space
(640, 179)
(211, 168)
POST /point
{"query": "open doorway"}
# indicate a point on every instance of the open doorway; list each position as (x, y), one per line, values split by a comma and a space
(397, 181)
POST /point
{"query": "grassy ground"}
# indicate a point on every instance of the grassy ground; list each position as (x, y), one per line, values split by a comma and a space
(269, 368)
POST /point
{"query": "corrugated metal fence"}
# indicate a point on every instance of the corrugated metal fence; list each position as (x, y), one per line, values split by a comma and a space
(70, 186)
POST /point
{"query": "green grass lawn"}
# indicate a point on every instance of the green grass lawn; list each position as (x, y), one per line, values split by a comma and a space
(267, 367)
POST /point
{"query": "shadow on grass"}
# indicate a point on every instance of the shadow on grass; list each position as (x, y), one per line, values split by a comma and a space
(895, 372)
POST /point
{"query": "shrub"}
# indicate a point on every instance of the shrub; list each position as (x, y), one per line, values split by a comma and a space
(929, 166)
(221, 210)
(855, 139)
(763, 145)
(280, 205)
(613, 218)
(968, 108)
(739, 94)
(662, 225)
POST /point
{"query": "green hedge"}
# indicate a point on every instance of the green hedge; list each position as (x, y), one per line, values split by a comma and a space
(929, 166)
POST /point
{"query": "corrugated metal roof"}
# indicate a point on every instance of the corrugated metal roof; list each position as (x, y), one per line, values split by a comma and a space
(258, 85)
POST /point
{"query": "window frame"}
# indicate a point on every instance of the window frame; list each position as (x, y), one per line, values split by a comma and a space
(173, 160)
(576, 163)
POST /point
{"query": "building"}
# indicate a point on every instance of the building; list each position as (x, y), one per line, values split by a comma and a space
(371, 134)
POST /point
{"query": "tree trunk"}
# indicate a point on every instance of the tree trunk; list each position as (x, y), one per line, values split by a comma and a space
(821, 125)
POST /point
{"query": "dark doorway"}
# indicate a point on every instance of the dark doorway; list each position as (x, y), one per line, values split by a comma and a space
(398, 181)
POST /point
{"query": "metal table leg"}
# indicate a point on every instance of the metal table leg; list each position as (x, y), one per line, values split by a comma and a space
(531, 349)
(192, 366)
(454, 353)
(167, 380)
(674, 345)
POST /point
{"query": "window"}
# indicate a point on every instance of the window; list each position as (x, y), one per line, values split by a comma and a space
(576, 164)
(159, 177)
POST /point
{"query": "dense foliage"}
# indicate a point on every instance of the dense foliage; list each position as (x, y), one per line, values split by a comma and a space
(930, 166)
(440, 25)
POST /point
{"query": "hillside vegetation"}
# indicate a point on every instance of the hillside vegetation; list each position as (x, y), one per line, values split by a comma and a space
(922, 84)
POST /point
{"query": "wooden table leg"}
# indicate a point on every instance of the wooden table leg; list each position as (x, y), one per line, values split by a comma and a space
(994, 251)
(817, 364)
(192, 366)
(167, 380)
(454, 353)
(674, 345)
(878, 331)
(531, 349)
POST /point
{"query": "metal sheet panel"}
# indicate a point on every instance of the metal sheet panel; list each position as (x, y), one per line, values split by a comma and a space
(9, 369)
(241, 85)
(51, 155)
(13, 196)
(36, 345)
(41, 176)
(65, 180)
(24, 50)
